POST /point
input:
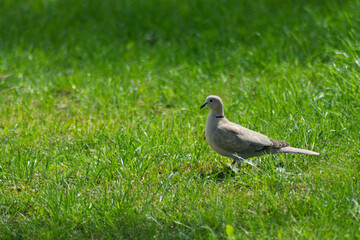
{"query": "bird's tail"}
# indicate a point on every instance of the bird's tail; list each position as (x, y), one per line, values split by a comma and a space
(297, 150)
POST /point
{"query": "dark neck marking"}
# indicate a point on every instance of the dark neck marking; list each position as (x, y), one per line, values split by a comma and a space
(219, 116)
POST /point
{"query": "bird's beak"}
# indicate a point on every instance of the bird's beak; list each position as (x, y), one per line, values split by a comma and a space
(203, 105)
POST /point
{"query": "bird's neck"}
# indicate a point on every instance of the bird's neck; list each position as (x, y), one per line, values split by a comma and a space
(217, 113)
(213, 120)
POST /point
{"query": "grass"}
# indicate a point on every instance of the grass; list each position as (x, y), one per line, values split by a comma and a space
(101, 135)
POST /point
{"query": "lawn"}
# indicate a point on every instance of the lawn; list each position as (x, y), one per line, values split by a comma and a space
(102, 137)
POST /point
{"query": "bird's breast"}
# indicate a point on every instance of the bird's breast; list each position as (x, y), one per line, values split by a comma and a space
(209, 135)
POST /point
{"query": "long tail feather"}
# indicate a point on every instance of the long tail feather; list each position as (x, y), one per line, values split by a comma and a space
(297, 150)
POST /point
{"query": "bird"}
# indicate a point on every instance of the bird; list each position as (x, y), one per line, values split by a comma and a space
(237, 142)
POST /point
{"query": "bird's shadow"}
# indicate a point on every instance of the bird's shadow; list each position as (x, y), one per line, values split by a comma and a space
(219, 173)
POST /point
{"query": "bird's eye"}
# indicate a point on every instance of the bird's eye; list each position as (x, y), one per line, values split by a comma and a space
(211, 100)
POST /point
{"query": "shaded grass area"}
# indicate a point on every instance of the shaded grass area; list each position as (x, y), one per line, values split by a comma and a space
(101, 135)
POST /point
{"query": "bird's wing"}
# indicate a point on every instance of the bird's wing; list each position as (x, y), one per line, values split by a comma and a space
(237, 139)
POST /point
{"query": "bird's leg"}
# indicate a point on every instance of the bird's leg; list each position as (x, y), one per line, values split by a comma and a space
(238, 163)
(238, 160)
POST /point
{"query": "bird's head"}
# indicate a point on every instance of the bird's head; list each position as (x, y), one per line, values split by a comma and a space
(213, 102)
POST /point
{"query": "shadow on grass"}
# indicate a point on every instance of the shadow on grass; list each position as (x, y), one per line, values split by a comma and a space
(218, 173)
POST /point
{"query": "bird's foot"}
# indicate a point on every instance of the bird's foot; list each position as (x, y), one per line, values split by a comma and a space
(234, 168)
(238, 162)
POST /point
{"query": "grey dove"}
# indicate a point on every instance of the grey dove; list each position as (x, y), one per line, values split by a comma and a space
(237, 142)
